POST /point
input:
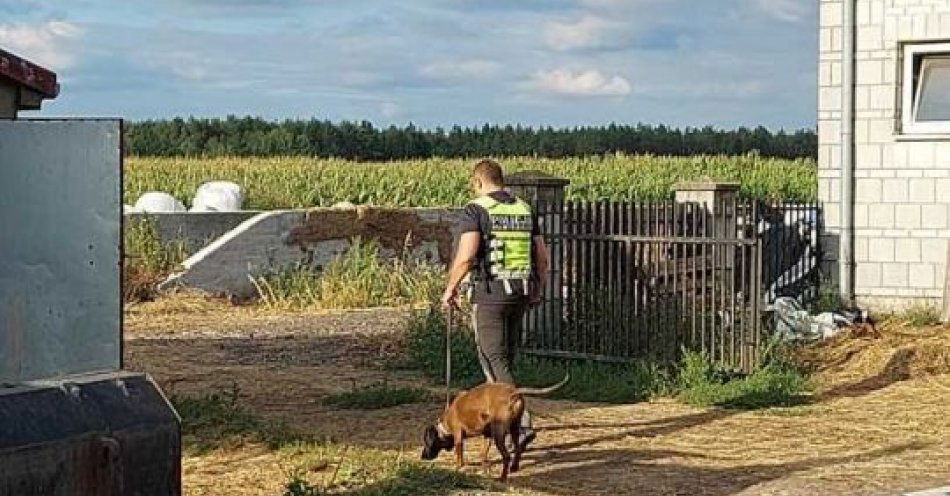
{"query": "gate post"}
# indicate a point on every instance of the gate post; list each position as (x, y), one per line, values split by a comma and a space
(718, 217)
(718, 199)
(545, 194)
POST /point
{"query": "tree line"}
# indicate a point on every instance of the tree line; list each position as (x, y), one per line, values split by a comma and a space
(250, 136)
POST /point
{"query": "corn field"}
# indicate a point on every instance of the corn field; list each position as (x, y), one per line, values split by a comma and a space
(300, 182)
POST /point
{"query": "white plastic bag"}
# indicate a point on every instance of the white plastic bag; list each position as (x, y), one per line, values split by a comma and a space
(218, 196)
(158, 202)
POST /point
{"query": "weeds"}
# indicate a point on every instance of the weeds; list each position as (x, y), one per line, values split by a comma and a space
(921, 315)
(702, 383)
(828, 300)
(210, 419)
(425, 348)
(377, 396)
(695, 379)
(590, 381)
(147, 261)
(596, 382)
(324, 469)
(360, 278)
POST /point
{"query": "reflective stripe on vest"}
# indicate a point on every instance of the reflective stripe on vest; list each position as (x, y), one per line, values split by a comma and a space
(509, 241)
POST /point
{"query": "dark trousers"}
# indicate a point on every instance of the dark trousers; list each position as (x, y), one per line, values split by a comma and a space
(497, 334)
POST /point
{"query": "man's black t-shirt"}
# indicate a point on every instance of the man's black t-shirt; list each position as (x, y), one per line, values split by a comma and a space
(475, 219)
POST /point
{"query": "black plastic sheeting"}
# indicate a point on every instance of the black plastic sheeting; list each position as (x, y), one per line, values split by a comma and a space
(113, 435)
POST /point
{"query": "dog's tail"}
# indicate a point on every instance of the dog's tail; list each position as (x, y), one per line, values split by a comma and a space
(543, 391)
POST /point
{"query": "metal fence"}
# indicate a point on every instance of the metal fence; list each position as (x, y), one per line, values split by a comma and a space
(643, 280)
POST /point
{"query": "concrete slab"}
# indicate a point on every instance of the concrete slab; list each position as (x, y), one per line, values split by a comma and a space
(940, 491)
(254, 247)
(278, 240)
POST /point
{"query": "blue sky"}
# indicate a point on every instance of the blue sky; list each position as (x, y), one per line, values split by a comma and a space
(431, 62)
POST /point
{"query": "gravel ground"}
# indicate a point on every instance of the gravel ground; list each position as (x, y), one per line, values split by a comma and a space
(885, 439)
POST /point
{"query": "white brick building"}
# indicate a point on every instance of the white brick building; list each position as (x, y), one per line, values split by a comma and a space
(897, 53)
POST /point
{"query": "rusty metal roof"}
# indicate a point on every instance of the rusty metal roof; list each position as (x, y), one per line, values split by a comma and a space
(28, 74)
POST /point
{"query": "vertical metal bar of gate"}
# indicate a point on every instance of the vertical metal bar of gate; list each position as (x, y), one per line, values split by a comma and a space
(645, 279)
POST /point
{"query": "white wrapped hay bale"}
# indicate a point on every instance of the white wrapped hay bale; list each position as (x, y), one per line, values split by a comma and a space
(218, 196)
(158, 202)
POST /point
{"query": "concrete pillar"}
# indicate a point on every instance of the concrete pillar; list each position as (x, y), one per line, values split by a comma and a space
(946, 290)
(719, 199)
(545, 193)
(8, 100)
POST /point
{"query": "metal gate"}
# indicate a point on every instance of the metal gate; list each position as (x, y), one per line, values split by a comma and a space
(644, 280)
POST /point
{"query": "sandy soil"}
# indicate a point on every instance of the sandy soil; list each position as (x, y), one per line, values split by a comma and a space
(871, 433)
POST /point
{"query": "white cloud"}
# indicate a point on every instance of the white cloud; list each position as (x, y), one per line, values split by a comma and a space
(51, 44)
(588, 31)
(608, 4)
(475, 68)
(784, 10)
(584, 83)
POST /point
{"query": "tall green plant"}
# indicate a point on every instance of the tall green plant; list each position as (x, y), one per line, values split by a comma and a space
(360, 278)
(147, 259)
(298, 182)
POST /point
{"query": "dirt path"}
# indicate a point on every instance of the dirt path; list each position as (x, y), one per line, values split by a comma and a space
(895, 436)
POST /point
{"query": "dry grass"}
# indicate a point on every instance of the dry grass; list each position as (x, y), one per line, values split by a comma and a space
(868, 359)
(875, 427)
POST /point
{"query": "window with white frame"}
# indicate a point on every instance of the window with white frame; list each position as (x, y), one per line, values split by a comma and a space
(926, 89)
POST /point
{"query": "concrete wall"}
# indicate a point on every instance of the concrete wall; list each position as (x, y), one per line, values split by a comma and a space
(277, 240)
(195, 229)
(902, 186)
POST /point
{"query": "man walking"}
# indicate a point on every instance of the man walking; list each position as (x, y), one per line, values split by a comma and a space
(503, 254)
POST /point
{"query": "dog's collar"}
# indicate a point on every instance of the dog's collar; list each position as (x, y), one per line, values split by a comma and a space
(442, 429)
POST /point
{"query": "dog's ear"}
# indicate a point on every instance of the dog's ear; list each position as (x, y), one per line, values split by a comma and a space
(430, 443)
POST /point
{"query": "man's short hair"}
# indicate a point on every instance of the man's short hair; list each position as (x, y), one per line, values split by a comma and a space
(489, 171)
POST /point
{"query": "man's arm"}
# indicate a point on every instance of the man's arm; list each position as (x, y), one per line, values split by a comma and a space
(542, 265)
(461, 265)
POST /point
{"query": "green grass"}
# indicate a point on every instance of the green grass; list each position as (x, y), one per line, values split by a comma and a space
(829, 300)
(921, 315)
(217, 420)
(210, 419)
(596, 382)
(702, 383)
(147, 260)
(425, 348)
(299, 182)
(360, 278)
(590, 381)
(694, 380)
(331, 468)
(377, 396)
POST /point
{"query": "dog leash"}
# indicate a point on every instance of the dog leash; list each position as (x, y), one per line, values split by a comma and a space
(448, 354)
(450, 321)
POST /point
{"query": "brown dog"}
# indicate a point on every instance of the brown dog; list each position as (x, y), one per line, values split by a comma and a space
(491, 410)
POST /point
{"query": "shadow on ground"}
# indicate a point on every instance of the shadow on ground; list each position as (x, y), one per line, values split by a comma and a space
(627, 471)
